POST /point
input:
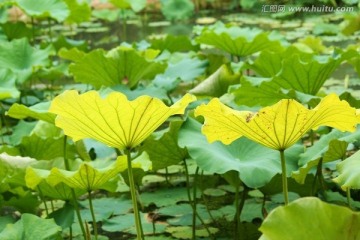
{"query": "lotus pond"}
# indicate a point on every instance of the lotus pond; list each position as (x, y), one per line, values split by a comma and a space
(179, 120)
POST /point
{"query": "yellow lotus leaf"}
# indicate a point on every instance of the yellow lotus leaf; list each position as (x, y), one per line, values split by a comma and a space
(278, 126)
(113, 120)
(90, 175)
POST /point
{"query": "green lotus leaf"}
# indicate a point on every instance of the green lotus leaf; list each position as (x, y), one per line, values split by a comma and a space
(90, 175)
(306, 76)
(121, 65)
(80, 11)
(38, 111)
(164, 152)
(56, 9)
(37, 175)
(217, 84)
(310, 218)
(8, 85)
(336, 150)
(173, 44)
(45, 148)
(177, 9)
(255, 91)
(349, 172)
(12, 169)
(135, 5)
(194, 68)
(32, 227)
(21, 58)
(237, 41)
(15, 30)
(244, 156)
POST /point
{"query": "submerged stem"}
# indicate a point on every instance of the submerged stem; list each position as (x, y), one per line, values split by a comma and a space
(92, 214)
(139, 231)
(284, 177)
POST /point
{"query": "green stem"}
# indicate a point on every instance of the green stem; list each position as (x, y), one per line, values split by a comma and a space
(284, 177)
(52, 205)
(73, 195)
(348, 197)
(33, 30)
(124, 22)
(93, 215)
(239, 208)
(237, 215)
(43, 200)
(193, 205)
(139, 231)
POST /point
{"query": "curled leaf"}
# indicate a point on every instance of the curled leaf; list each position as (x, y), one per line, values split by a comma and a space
(349, 172)
(114, 120)
(278, 126)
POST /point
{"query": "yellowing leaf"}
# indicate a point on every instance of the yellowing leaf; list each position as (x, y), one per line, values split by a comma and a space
(89, 176)
(113, 120)
(278, 126)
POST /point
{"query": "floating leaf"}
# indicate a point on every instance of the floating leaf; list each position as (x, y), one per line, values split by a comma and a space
(244, 156)
(317, 220)
(165, 151)
(56, 9)
(38, 111)
(349, 172)
(278, 126)
(31, 227)
(217, 84)
(113, 120)
(120, 65)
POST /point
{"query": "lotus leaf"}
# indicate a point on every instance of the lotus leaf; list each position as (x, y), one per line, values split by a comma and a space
(31, 227)
(8, 85)
(278, 126)
(310, 218)
(56, 9)
(113, 120)
(38, 111)
(119, 66)
(349, 172)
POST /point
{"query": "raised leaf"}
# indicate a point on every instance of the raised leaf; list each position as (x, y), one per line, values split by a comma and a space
(113, 120)
(349, 172)
(278, 126)
(32, 227)
(38, 111)
(218, 83)
(8, 85)
(237, 41)
(80, 11)
(119, 66)
(56, 9)
(249, 159)
(310, 218)
(21, 58)
(173, 43)
(165, 151)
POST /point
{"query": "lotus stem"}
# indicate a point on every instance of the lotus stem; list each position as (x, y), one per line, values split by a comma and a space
(139, 231)
(73, 195)
(239, 208)
(193, 203)
(43, 200)
(284, 177)
(348, 197)
(93, 215)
